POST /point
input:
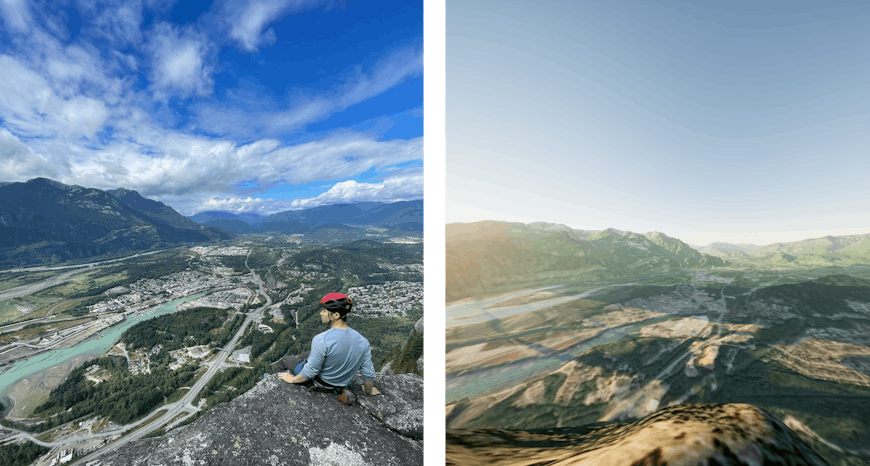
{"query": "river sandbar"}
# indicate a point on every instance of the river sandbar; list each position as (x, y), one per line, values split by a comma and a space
(32, 391)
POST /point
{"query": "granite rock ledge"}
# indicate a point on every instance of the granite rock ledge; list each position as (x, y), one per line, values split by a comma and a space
(277, 424)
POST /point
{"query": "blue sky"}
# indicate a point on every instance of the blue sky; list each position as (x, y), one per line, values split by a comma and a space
(242, 106)
(709, 121)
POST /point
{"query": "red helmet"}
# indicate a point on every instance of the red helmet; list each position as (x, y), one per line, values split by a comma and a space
(337, 302)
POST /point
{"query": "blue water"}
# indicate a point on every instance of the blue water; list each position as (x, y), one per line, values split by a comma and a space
(91, 347)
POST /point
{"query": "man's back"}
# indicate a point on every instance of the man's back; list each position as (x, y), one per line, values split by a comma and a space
(336, 356)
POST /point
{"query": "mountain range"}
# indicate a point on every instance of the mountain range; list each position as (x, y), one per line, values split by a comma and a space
(488, 257)
(403, 215)
(742, 247)
(491, 257)
(43, 222)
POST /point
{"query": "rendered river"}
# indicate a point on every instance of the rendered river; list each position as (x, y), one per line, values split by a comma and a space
(89, 347)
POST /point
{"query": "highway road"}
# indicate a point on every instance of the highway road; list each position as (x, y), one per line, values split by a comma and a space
(185, 404)
(173, 409)
(43, 268)
(31, 288)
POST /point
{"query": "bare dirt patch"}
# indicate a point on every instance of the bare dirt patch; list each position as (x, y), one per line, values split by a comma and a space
(525, 299)
(608, 388)
(479, 298)
(481, 405)
(29, 393)
(472, 356)
(684, 328)
(576, 375)
(531, 395)
(821, 359)
(627, 315)
(638, 404)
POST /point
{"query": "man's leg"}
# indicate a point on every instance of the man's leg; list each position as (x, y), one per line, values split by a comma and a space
(289, 363)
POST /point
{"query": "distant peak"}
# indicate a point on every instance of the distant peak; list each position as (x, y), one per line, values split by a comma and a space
(123, 192)
(658, 234)
(549, 226)
(614, 231)
(48, 182)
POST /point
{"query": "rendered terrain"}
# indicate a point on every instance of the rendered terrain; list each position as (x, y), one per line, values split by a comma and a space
(785, 328)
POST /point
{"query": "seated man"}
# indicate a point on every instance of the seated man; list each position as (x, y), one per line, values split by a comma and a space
(336, 354)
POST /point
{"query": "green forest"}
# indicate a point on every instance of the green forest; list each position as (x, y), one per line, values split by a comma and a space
(191, 327)
(123, 398)
(21, 455)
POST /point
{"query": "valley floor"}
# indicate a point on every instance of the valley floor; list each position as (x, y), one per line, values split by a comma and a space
(796, 344)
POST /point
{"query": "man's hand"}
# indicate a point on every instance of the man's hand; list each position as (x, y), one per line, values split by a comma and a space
(289, 378)
(370, 389)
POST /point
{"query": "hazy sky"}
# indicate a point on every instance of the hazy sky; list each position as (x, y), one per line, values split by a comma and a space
(708, 121)
(250, 105)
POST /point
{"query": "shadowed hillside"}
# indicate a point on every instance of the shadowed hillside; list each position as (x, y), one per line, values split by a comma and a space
(492, 257)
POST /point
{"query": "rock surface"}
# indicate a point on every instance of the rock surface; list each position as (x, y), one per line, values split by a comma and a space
(410, 356)
(276, 423)
(689, 434)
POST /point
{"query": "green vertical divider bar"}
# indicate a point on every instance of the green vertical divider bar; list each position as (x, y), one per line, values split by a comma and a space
(434, 430)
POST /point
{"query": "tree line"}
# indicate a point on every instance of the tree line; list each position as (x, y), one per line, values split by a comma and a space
(190, 327)
(21, 455)
(123, 398)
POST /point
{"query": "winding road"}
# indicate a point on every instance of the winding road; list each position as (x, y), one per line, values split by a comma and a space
(183, 406)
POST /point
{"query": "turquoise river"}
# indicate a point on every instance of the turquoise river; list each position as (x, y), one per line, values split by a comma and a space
(90, 347)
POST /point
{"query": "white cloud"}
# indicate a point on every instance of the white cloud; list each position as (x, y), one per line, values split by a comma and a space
(20, 163)
(56, 98)
(16, 15)
(198, 166)
(178, 62)
(30, 107)
(341, 157)
(247, 21)
(77, 70)
(234, 205)
(24, 98)
(83, 116)
(390, 71)
(408, 186)
(121, 23)
(391, 190)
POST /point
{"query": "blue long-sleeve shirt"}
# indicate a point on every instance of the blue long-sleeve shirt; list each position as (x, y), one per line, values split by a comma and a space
(337, 354)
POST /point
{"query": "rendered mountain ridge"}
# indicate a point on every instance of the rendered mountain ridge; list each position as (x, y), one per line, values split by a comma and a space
(489, 257)
(742, 247)
(44, 222)
(823, 245)
(276, 423)
(726, 253)
(686, 434)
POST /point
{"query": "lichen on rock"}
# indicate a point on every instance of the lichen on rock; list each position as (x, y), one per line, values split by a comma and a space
(276, 423)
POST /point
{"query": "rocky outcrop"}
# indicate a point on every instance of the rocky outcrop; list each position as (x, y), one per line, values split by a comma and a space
(689, 434)
(410, 357)
(276, 423)
(163, 214)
